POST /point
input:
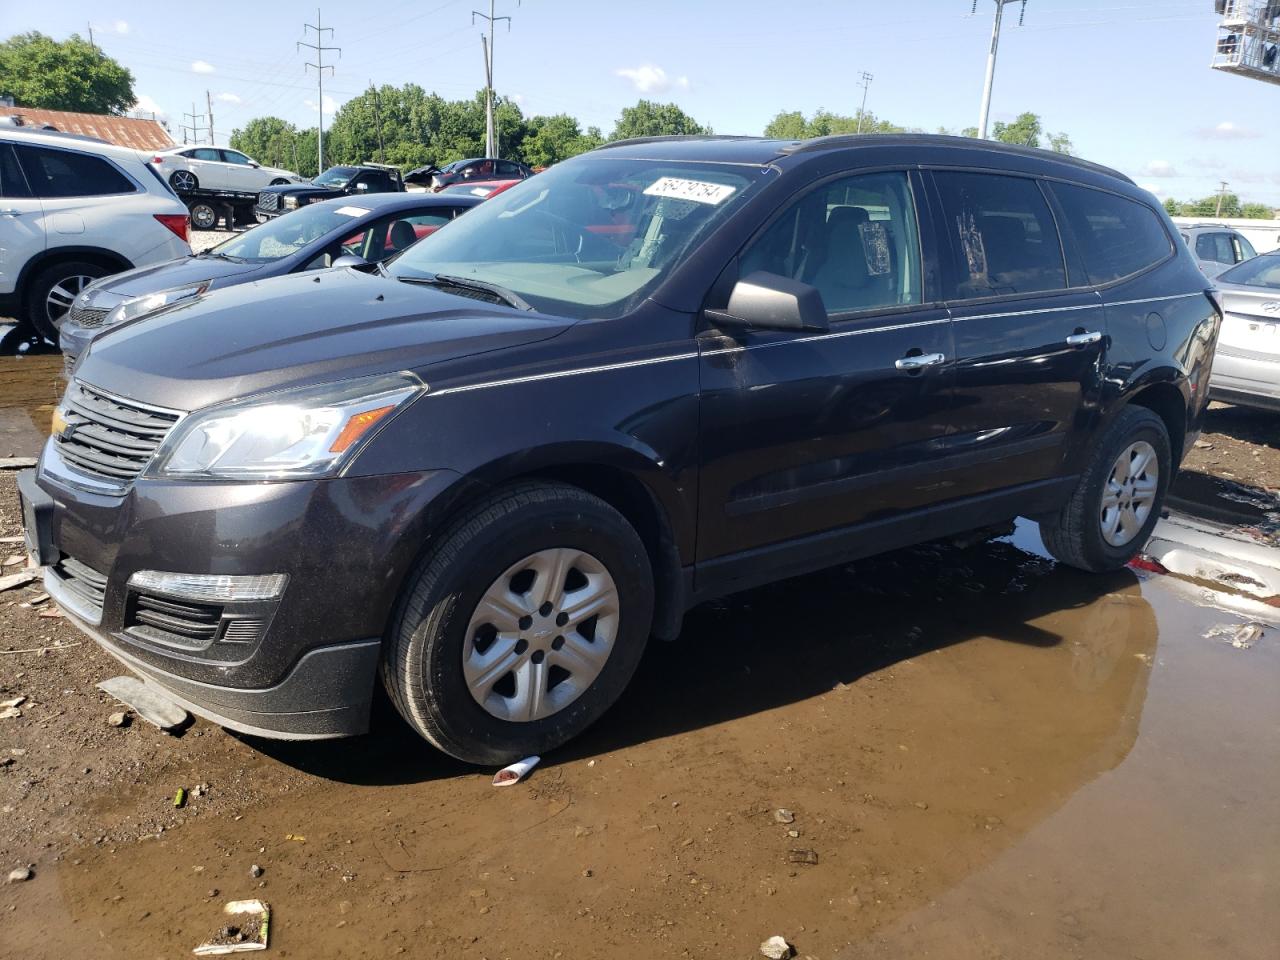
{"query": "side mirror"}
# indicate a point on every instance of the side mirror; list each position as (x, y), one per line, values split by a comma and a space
(362, 187)
(767, 301)
(353, 261)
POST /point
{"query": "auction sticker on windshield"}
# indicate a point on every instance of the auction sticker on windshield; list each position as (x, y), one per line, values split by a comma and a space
(352, 211)
(699, 191)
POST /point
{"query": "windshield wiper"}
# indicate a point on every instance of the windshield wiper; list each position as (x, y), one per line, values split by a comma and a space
(509, 297)
(214, 255)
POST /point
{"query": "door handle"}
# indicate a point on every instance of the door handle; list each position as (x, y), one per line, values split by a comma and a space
(920, 362)
(12, 213)
(1084, 339)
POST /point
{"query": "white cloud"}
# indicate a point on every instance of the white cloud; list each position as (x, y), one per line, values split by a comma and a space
(115, 26)
(228, 98)
(1159, 191)
(147, 105)
(1159, 168)
(202, 66)
(649, 78)
(1227, 130)
(330, 105)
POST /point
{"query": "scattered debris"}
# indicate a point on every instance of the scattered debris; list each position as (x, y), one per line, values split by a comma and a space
(42, 650)
(16, 463)
(38, 599)
(252, 920)
(255, 871)
(20, 875)
(9, 713)
(200, 789)
(803, 856)
(295, 837)
(50, 612)
(783, 815)
(13, 561)
(15, 702)
(180, 798)
(11, 539)
(1242, 636)
(119, 719)
(19, 579)
(776, 948)
(516, 772)
(157, 710)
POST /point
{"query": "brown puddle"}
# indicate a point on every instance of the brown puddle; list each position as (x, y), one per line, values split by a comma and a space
(988, 756)
(30, 385)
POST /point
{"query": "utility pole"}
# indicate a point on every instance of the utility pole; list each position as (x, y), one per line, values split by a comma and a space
(208, 99)
(865, 84)
(991, 60)
(1222, 194)
(320, 67)
(91, 43)
(377, 118)
(490, 135)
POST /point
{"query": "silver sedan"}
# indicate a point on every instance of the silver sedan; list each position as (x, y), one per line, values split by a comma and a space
(1246, 369)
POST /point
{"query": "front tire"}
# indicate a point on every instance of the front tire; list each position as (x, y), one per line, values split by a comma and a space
(1119, 497)
(522, 626)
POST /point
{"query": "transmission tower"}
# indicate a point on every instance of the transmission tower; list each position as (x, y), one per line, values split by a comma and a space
(319, 67)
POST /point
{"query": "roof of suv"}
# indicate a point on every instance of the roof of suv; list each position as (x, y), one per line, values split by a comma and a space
(759, 151)
(49, 138)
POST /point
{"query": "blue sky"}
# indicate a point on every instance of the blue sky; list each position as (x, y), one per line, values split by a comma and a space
(1128, 80)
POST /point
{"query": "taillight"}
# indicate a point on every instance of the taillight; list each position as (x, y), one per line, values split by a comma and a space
(1215, 297)
(157, 159)
(179, 223)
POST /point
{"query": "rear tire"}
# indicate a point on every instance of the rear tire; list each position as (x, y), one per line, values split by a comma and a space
(52, 291)
(1119, 497)
(480, 602)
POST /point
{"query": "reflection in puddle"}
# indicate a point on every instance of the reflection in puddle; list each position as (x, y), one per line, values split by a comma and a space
(30, 385)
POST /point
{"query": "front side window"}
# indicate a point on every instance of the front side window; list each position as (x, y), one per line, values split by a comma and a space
(1005, 236)
(1116, 237)
(64, 173)
(591, 236)
(231, 156)
(12, 182)
(283, 236)
(854, 239)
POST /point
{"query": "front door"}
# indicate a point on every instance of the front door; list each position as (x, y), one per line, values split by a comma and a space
(22, 231)
(804, 433)
(1028, 346)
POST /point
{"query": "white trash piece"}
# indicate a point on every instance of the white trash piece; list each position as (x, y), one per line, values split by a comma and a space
(513, 774)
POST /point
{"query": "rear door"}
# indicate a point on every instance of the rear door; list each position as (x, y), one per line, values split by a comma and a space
(206, 163)
(22, 231)
(803, 433)
(1028, 345)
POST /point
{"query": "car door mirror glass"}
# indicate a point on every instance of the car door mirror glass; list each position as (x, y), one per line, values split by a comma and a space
(353, 261)
(768, 301)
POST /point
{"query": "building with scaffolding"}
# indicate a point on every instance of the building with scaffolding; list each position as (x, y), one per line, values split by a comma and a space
(1249, 39)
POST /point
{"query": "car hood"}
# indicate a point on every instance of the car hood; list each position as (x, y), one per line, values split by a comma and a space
(296, 330)
(172, 273)
(284, 189)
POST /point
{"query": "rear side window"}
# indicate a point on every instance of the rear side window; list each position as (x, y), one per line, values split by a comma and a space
(206, 153)
(1116, 237)
(1004, 235)
(12, 182)
(62, 173)
(854, 239)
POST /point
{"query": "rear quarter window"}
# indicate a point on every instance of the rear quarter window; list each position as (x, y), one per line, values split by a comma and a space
(1114, 236)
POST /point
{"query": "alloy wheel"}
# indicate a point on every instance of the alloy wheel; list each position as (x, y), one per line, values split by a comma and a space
(1130, 493)
(63, 294)
(541, 634)
(184, 180)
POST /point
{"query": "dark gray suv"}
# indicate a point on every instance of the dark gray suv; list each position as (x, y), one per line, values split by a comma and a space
(665, 370)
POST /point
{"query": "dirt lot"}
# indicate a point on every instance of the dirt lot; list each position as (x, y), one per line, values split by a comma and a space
(984, 755)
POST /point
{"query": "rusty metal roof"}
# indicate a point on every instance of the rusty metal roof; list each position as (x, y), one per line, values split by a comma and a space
(122, 131)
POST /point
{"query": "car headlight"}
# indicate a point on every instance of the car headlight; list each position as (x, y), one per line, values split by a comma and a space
(152, 303)
(290, 203)
(293, 434)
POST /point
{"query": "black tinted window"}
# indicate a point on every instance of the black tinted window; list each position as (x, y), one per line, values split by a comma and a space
(1004, 235)
(61, 173)
(1215, 247)
(205, 153)
(12, 183)
(1116, 237)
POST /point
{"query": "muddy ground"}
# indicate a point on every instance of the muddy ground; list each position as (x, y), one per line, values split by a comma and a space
(985, 754)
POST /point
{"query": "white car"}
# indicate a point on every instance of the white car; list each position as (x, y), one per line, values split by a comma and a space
(217, 168)
(1246, 367)
(73, 209)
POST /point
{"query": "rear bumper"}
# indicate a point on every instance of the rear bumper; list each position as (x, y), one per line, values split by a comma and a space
(1251, 380)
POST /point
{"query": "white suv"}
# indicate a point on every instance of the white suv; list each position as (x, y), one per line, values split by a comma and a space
(73, 209)
(216, 168)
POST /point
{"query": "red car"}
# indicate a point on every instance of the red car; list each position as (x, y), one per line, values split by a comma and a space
(484, 189)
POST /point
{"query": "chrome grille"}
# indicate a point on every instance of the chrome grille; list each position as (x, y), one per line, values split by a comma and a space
(269, 201)
(86, 317)
(109, 437)
(84, 583)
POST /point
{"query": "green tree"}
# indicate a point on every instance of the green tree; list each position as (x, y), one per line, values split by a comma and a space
(1024, 131)
(1172, 207)
(788, 126)
(1061, 143)
(649, 119)
(1256, 211)
(1208, 207)
(551, 139)
(38, 71)
(824, 123)
(268, 140)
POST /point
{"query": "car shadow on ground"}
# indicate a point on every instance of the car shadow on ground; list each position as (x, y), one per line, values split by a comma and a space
(1246, 424)
(769, 647)
(1231, 502)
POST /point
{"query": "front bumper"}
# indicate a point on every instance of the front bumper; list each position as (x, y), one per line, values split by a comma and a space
(306, 665)
(1245, 378)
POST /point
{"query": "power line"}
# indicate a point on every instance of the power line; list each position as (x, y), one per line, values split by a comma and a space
(320, 67)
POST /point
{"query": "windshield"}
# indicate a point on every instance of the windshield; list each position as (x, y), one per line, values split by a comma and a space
(1263, 271)
(335, 177)
(288, 234)
(587, 238)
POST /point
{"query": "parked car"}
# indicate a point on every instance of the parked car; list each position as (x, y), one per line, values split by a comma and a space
(73, 209)
(340, 181)
(1216, 247)
(217, 168)
(462, 171)
(373, 228)
(1246, 369)
(484, 189)
(663, 371)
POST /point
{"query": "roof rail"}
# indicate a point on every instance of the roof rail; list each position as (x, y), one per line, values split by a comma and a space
(673, 138)
(31, 130)
(837, 141)
(380, 166)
